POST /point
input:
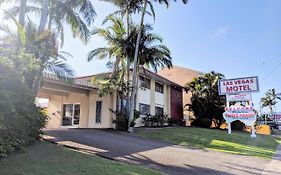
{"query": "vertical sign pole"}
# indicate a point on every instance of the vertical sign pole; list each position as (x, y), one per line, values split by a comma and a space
(228, 124)
(253, 131)
(229, 128)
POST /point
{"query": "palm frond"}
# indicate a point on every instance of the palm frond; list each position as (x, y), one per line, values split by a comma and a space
(60, 68)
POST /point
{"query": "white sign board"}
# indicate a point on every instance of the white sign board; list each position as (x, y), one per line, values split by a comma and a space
(239, 97)
(238, 85)
(277, 116)
(244, 114)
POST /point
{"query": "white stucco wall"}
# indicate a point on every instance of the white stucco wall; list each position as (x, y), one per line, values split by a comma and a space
(144, 96)
(159, 99)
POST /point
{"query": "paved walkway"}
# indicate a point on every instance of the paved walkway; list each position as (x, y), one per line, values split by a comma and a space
(168, 158)
(275, 164)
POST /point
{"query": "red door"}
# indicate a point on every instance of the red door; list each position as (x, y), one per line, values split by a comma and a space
(176, 103)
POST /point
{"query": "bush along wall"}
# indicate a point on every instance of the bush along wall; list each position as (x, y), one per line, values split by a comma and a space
(157, 120)
(20, 120)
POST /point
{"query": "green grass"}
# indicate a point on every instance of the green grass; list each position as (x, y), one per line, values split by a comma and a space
(237, 143)
(49, 159)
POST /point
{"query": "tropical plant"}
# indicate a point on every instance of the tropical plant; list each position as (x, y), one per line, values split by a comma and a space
(135, 61)
(270, 99)
(43, 47)
(206, 104)
(127, 8)
(152, 52)
(20, 120)
(79, 15)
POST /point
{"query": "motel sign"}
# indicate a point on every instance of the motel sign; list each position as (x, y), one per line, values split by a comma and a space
(239, 104)
(239, 85)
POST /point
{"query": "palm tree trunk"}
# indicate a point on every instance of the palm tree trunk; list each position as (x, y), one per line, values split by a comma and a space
(44, 16)
(135, 86)
(128, 66)
(51, 16)
(22, 12)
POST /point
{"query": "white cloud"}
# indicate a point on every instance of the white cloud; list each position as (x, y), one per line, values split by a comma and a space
(221, 31)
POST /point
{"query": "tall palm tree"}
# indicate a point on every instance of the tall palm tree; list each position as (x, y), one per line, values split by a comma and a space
(22, 12)
(135, 62)
(78, 14)
(127, 8)
(152, 52)
(270, 100)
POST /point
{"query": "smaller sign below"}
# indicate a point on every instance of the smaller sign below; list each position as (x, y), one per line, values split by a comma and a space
(239, 97)
(277, 116)
(238, 85)
(239, 113)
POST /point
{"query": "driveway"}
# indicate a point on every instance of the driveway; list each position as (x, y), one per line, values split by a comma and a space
(168, 158)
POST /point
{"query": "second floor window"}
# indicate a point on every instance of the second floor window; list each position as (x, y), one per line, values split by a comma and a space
(144, 82)
(159, 88)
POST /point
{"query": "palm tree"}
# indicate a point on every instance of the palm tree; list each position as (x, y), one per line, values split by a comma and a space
(22, 10)
(135, 62)
(270, 100)
(45, 49)
(152, 52)
(78, 14)
(127, 8)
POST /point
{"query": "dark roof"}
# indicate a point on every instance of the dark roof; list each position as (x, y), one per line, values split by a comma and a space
(145, 71)
(70, 82)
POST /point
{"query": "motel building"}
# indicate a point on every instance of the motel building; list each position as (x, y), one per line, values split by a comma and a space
(78, 104)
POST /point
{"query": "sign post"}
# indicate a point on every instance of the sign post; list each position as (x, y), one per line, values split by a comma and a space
(239, 104)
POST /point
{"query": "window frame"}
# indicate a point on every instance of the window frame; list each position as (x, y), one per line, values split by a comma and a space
(145, 82)
(162, 87)
(98, 118)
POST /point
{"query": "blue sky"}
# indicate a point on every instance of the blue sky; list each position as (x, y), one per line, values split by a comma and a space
(237, 38)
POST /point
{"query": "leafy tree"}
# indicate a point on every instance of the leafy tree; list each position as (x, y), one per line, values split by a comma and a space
(206, 104)
(20, 120)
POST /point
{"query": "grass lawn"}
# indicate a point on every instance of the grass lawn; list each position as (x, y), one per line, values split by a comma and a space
(237, 143)
(50, 159)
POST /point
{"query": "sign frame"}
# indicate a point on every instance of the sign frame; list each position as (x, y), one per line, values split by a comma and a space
(235, 93)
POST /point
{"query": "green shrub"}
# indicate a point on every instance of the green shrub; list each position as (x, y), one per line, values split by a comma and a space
(202, 122)
(20, 120)
(238, 125)
(172, 121)
(155, 120)
(121, 120)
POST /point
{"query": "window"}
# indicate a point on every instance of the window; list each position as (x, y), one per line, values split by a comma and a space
(144, 109)
(144, 82)
(159, 87)
(98, 111)
(159, 110)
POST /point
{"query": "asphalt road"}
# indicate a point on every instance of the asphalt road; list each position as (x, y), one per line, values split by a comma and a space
(168, 158)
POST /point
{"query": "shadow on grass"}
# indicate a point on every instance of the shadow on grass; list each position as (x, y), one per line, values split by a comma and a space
(237, 143)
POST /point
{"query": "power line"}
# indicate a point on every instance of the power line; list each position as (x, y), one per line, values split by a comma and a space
(274, 69)
(263, 63)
